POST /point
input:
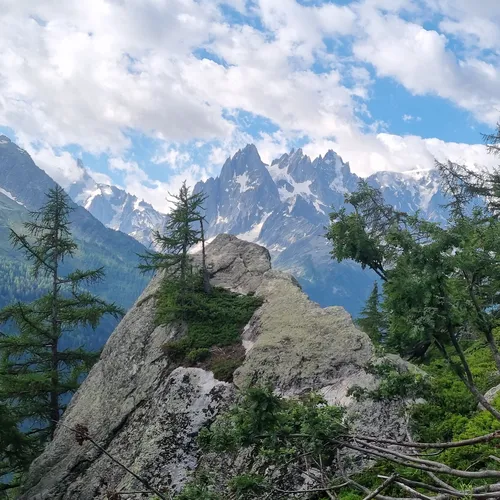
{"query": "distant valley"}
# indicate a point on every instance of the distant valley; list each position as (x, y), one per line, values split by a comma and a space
(284, 206)
(22, 188)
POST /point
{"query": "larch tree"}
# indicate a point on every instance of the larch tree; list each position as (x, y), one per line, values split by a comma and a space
(371, 319)
(17, 449)
(37, 374)
(440, 281)
(183, 230)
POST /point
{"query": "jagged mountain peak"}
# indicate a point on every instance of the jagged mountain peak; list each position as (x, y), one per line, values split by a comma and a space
(248, 155)
(244, 160)
(250, 149)
(411, 190)
(286, 205)
(116, 208)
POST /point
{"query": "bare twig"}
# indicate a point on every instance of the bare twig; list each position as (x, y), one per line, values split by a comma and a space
(382, 487)
(415, 463)
(82, 435)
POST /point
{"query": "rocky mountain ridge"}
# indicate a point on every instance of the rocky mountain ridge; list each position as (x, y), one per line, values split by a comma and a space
(285, 206)
(141, 407)
(23, 186)
(116, 208)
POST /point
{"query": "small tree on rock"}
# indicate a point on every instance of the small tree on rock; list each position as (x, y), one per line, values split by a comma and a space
(183, 230)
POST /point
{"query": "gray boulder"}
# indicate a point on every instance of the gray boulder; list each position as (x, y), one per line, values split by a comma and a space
(147, 412)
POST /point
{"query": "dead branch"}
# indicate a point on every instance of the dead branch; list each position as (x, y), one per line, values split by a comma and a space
(82, 435)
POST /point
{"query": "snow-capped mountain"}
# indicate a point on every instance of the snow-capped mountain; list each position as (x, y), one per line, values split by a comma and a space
(116, 208)
(285, 206)
(23, 188)
(411, 191)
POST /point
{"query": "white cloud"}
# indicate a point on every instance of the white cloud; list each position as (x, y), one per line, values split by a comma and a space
(175, 158)
(93, 70)
(100, 178)
(61, 166)
(372, 153)
(91, 73)
(420, 60)
(409, 118)
(137, 182)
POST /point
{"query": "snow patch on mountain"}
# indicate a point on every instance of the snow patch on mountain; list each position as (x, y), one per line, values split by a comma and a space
(10, 195)
(116, 208)
(243, 181)
(253, 233)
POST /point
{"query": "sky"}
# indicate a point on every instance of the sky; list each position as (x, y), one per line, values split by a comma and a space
(148, 93)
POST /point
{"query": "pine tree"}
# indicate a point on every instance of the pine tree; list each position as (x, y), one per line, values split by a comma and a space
(16, 449)
(371, 320)
(183, 230)
(37, 375)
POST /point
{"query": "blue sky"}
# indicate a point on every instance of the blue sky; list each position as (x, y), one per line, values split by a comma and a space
(151, 92)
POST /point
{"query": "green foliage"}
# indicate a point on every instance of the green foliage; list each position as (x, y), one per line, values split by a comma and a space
(199, 354)
(449, 405)
(440, 288)
(277, 434)
(16, 449)
(371, 319)
(449, 412)
(202, 487)
(214, 319)
(438, 281)
(276, 427)
(95, 250)
(248, 485)
(36, 374)
(394, 384)
(180, 234)
(347, 494)
(224, 369)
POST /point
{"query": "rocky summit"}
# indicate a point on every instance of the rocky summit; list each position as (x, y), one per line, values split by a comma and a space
(145, 411)
(285, 206)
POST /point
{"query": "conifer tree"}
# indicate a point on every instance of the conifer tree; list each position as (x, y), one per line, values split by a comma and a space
(37, 374)
(371, 320)
(16, 449)
(183, 230)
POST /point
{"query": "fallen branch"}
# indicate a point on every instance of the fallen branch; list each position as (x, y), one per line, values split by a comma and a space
(455, 444)
(382, 487)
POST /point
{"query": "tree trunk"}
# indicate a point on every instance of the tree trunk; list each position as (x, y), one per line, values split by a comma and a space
(54, 393)
(54, 365)
(207, 287)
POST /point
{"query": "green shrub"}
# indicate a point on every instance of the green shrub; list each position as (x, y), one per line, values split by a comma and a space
(200, 488)
(176, 349)
(272, 424)
(449, 405)
(216, 319)
(247, 485)
(196, 355)
(224, 369)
